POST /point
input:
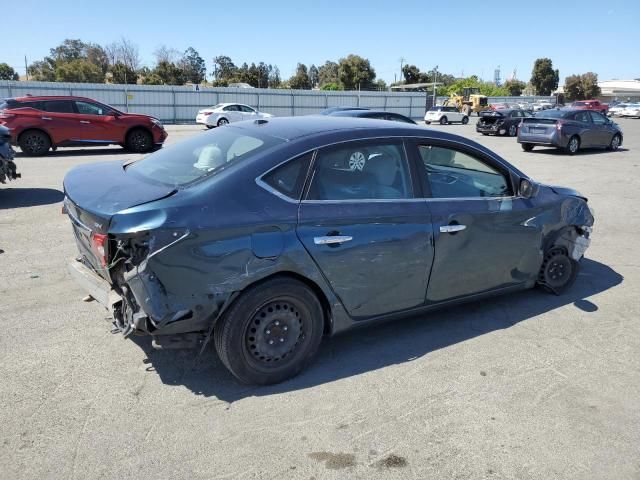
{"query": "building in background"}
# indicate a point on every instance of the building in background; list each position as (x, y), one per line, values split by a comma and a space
(624, 90)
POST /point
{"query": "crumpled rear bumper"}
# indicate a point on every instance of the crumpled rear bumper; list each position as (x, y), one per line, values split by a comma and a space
(93, 284)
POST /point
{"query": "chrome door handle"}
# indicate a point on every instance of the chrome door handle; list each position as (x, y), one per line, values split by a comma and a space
(84, 121)
(332, 239)
(46, 118)
(452, 228)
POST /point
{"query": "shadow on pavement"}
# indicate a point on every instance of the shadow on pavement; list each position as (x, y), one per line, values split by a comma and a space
(78, 152)
(581, 152)
(28, 197)
(379, 346)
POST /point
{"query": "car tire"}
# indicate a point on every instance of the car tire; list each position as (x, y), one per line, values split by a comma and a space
(34, 143)
(527, 147)
(223, 121)
(465, 120)
(270, 332)
(428, 123)
(573, 146)
(615, 143)
(513, 130)
(558, 271)
(443, 121)
(209, 127)
(139, 140)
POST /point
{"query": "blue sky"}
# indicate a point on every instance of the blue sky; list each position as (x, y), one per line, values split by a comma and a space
(470, 37)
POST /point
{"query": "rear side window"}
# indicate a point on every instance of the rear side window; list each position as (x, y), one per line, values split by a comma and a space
(288, 179)
(366, 170)
(201, 156)
(58, 106)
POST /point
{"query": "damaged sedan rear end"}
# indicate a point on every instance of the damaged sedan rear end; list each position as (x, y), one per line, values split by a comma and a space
(265, 236)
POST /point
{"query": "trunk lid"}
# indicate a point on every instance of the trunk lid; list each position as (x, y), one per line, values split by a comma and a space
(538, 125)
(94, 193)
(489, 118)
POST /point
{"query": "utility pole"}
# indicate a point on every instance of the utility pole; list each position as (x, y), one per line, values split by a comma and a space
(435, 80)
(26, 69)
(402, 60)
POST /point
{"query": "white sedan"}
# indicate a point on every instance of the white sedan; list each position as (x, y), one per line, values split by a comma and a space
(224, 113)
(631, 110)
(445, 115)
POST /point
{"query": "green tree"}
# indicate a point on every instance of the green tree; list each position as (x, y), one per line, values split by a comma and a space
(355, 72)
(515, 87)
(543, 77)
(274, 78)
(381, 85)
(7, 73)
(81, 71)
(328, 73)
(69, 50)
(224, 70)
(314, 76)
(195, 70)
(331, 86)
(411, 74)
(169, 73)
(42, 70)
(120, 73)
(581, 87)
(300, 81)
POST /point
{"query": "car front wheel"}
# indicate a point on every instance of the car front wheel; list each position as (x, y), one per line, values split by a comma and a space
(527, 147)
(558, 271)
(139, 141)
(271, 332)
(465, 120)
(615, 142)
(443, 121)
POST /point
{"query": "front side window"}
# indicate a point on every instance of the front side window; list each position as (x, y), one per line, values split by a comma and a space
(86, 108)
(361, 171)
(246, 109)
(598, 118)
(201, 156)
(454, 174)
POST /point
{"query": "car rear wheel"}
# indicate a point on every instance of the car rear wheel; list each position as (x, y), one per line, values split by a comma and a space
(428, 123)
(527, 147)
(615, 142)
(573, 146)
(271, 332)
(139, 140)
(465, 120)
(443, 121)
(222, 121)
(209, 127)
(558, 271)
(513, 130)
(34, 143)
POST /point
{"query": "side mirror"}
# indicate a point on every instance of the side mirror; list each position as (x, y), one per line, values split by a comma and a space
(527, 188)
(115, 114)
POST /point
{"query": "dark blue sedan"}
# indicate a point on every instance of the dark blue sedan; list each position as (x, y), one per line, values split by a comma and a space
(264, 236)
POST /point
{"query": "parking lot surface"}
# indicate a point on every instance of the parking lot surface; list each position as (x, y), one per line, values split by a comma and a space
(526, 386)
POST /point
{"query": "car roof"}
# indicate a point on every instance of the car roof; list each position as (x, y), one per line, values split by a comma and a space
(31, 98)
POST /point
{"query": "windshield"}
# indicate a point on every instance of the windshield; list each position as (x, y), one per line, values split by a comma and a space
(203, 155)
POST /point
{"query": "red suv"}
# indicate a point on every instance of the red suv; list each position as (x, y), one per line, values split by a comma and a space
(40, 123)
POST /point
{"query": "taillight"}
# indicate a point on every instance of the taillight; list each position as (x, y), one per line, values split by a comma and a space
(98, 244)
(206, 114)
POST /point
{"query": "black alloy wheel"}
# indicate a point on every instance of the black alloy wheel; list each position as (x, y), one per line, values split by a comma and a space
(443, 120)
(139, 141)
(34, 143)
(513, 130)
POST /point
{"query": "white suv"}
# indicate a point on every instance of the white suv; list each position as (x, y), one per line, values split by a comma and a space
(445, 115)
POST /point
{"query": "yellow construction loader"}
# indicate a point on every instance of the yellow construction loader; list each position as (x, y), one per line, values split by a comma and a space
(469, 101)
